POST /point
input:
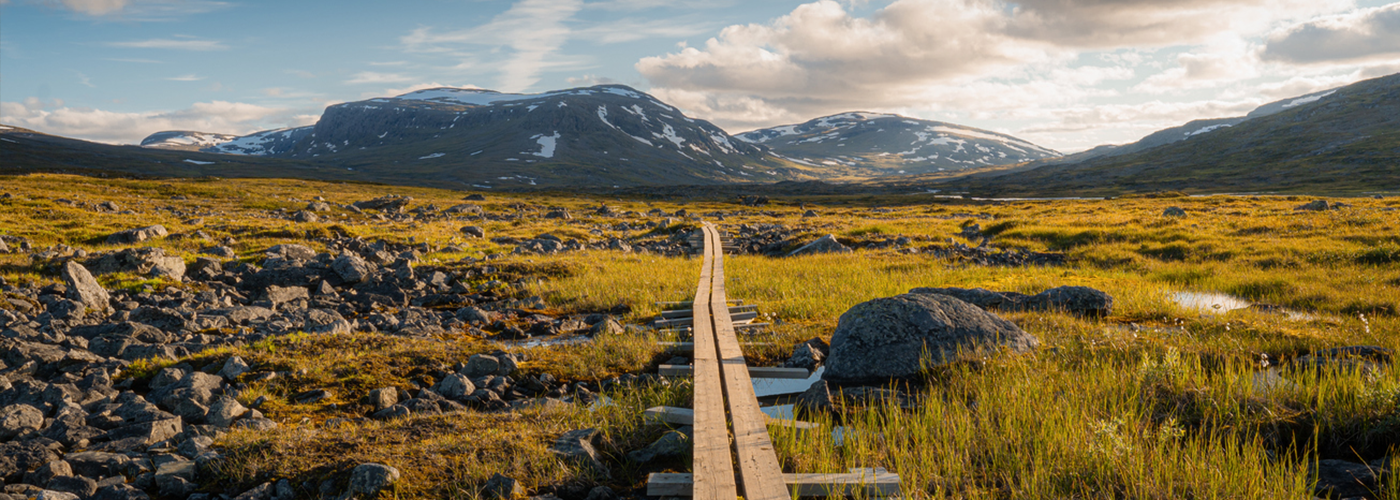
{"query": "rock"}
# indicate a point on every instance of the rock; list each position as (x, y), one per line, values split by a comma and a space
(454, 386)
(474, 197)
(76, 486)
(56, 468)
(233, 367)
(142, 434)
(17, 419)
(318, 206)
(1078, 300)
(389, 203)
(474, 231)
(84, 289)
(97, 463)
(219, 251)
(382, 398)
(809, 213)
(889, 337)
(17, 458)
(260, 492)
(279, 295)
(312, 396)
(808, 354)
(146, 261)
(825, 244)
(481, 365)
(558, 214)
(370, 479)
(137, 235)
(576, 447)
(817, 397)
(224, 411)
(669, 445)
(395, 411)
(290, 251)
(50, 494)
(475, 315)
(1173, 212)
(606, 327)
(352, 268)
(502, 488)
(304, 216)
(1343, 479)
(1317, 206)
(120, 492)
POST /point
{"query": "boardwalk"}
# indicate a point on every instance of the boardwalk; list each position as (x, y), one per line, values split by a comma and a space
(725, 406)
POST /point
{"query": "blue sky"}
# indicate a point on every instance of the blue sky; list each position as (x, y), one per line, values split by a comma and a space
(1067, 74)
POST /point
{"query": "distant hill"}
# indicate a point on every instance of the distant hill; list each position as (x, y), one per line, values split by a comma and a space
(1346, 140)
(602, 135)
(185, 140)
(1193, 128)
(884, 144)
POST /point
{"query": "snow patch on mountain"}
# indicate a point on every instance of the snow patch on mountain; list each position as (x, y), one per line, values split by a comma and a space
(547, 144)
(1305, 100)
(182, 138)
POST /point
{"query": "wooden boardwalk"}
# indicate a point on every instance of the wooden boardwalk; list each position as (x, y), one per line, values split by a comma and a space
(725, 406)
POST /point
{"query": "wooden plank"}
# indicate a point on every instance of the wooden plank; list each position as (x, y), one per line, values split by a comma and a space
(671, 415)
(686, 320)
(754, 372)
(873, 483)
(686, 416)
(759, 471)
(690, 346)
(685, 313)
(712, 466)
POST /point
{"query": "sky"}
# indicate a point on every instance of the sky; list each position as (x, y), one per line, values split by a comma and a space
(1064, 74)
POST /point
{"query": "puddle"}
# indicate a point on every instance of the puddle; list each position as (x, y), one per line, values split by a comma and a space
(764, 387)
(1209, 302)
(1220, 303)
(546, 341)
(783, 412)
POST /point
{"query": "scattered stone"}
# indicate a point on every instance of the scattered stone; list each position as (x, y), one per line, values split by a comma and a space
(233, 368)
(558, 214)
(369, 479)
(1173, 212)
(474, 231)
(351, 268)
(889, 337)
(809, 354)
(480, 365)
(576, 447)
(290, 251)
(17, 419)
(606, 327)
(312, 396)
(137, 235)
(825, 244)
(382, 398)
(1318, 206)
(305, 216)
(85, 289)
(224, 411)
(500, 487)
(670, 445)
(454, 386)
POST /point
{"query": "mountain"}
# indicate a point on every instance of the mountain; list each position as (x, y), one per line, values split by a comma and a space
(1345, 140)
(882, 144)
(185, 140)
(602, 135)
(1191, 129)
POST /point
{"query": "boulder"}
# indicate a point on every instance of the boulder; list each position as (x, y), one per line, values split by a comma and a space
(137, 235)
(1317, 206)
(500, 487)
(19, 418)
(382, 398)
(352, 268)
(474, 231)
(83, 288)
(233, 367)
(606, 327)
(291, 251)
(145, 261)
(481, 365)
(454, 386)
(896, 337)
(576, 447)
(370, 479)
(224, 411)
(1173, 212)
(825, 244)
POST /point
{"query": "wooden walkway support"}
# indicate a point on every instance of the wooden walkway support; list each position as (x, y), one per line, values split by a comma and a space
(725, 406)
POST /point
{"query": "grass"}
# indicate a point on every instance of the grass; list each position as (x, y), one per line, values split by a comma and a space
(1156, 400)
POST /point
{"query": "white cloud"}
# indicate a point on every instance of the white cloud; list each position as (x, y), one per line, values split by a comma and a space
(392, 92)
(95, 7)
(129, 128)
(377, 77)
(183, 43)
(532, 30)
(185, 78)
(136, 10)
(1367, 34)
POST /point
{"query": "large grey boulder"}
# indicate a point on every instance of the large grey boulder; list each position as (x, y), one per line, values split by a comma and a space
(85, 289)
(896, 337)
(17, 419)
(454, 386)
(290, 251)
(576, 447)
(137, 235)
(352, 268)
(825, 244)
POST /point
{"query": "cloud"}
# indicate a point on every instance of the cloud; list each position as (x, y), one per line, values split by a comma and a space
(391, 92)
(193, 44)
(95, 7)
(1366, 34)
(136, 10)
(532, 30)
(1121, 23)
(185, 78)
(129, 128)
(376, 77)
